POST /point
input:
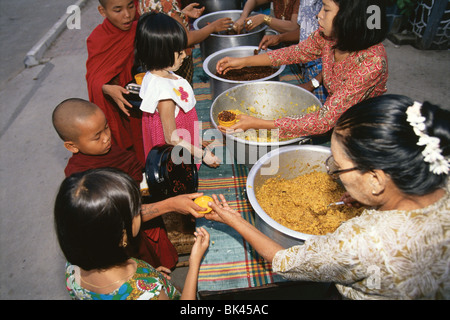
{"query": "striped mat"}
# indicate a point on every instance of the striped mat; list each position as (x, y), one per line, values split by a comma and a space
(230, 262)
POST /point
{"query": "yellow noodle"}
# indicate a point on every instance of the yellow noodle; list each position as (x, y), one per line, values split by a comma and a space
(301, 203)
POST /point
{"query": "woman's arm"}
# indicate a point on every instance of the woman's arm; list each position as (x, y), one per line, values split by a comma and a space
(305, 51)
(302, 262)
(279, 25)
(265, 246)
(367, 80)
(229, 63)
(273, 40)
(197, 36)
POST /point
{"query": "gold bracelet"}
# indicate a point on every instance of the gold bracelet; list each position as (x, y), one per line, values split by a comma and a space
(267, 20)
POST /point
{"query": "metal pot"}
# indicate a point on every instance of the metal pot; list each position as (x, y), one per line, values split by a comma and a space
(216, 42)
(218, 84)
(267, 100)
(290, 162)
(219, 5)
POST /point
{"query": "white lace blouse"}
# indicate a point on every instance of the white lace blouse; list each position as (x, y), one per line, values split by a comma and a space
(379, 255)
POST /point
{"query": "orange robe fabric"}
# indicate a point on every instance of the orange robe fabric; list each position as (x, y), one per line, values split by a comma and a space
(110, 60)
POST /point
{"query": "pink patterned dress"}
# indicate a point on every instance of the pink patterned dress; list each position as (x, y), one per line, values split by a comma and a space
(155, 88)
(363, 74)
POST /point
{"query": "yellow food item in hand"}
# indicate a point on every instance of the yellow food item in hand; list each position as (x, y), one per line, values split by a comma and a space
(203, 202)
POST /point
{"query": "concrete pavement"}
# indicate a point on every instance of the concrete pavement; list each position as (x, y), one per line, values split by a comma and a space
(21, 25)
(32, 157)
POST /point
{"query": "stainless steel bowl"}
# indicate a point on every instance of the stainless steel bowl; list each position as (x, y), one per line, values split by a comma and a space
(287, 162)
(216, 42)
(218, 84)
(219, 5)
(270, 100)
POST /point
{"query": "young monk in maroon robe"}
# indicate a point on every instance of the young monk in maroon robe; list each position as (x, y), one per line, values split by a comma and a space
(85, 131)
(109, 66)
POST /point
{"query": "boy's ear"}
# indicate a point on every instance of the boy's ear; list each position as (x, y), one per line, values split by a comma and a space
(71, 146)
(102, 11)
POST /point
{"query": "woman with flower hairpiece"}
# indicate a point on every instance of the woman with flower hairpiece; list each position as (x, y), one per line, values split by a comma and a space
(393, 156)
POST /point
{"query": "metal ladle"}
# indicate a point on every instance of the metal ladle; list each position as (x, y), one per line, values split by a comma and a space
(336, 203)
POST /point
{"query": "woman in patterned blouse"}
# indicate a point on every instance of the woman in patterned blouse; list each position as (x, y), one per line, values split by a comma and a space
(97, 216)
(393, 155)
(354, 65)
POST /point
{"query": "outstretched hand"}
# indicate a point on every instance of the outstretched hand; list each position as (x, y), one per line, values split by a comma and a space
(200, 246)
(116, 93)
(221, 24)
(221, 211)
(192, 12)
(228, 63)
(243, 123)
(253, 22)
(269, 41)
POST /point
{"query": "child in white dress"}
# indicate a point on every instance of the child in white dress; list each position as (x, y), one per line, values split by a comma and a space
(168, 100)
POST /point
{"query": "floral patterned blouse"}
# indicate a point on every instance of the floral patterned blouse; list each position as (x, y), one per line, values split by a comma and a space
(146, 284)
(379, 255)
(363, 74)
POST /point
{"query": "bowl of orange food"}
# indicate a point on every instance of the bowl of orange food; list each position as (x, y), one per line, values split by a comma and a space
(290, 190)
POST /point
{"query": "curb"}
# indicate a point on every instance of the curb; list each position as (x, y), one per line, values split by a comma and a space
(34, 56)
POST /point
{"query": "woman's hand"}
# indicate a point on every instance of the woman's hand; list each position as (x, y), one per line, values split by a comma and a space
(228, 63)
(221, 24)
(349, 201)
(221, 211)
(193, 12)
(244, 123)
(269, 41)
(253, 21)
(200, 246)
(239, 25)
(116, 93)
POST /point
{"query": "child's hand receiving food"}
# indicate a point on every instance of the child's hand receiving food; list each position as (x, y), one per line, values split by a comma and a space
(200, 246)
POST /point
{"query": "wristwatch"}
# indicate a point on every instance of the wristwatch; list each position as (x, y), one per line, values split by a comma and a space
(315, 83)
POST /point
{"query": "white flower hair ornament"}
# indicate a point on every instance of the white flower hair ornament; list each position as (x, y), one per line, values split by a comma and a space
(432, 153)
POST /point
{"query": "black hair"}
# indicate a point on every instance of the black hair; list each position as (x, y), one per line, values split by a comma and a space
(354, 26)
(376, 135)
(158, 38)
(92, 210)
